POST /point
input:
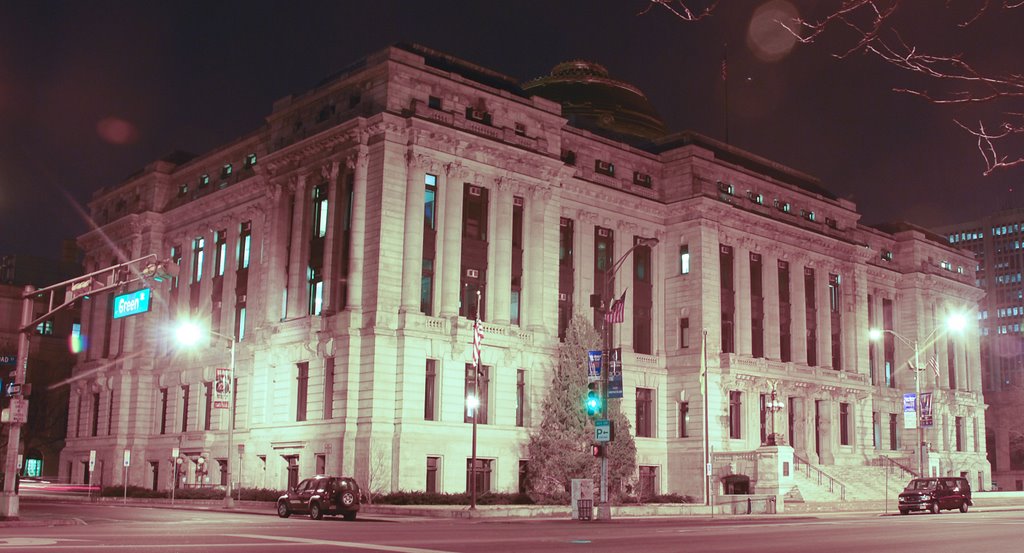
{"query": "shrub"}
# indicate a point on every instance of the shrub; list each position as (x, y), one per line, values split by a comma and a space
(424, 498)
(665, 498)
(132, 491)
(257, 494)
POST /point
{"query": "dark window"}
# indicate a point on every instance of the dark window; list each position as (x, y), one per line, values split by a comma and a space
(474, 251)
(520, 129)
(520, 397)
(735, 414)
(478, 115)
(432, 465)
(959, 430)
(835, 298)
(516, 307)
(604, 167)
(684, 419)
(430, 391)
(184, 407)
(642, 179)
(844, 424)
(811, 316)
(888, 344)
(568, 157)
(302, 390)
(643, 298)
(756, 307)
(604, 249)
(429, 243)
(471, 392)
(321, 463)
(208, 407)
(872, 345)
(95, 414)
(785, 315)
(566, 275)
(483, 475)
(524, 476)
(727, 299)
(644, 412)
(223, 464)
(164, 404)
(317, 243)
(893, 433)
(763, 410)
(684, 333)
(648, 481)
(433, 102)
(876, 430)
(951, 362)
(328, 388)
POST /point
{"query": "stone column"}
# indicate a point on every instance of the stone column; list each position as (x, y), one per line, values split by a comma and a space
(296, 263)
(412, 245)
(499, 283)
(798, 311)
(770, 290)
(742, 279)
(358, 165)
(540, 260)
(449, 257)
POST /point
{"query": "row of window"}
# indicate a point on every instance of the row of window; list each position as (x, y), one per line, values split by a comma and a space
(225, 172)
(965, 236)
(728, 192)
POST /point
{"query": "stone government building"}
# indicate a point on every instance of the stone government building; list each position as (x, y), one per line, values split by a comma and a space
(343, 243)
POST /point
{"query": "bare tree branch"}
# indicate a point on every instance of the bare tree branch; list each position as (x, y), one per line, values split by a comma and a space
(875, 29)
(681, 9)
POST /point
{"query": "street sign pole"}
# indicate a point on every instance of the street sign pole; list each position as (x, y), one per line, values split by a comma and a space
(8, 498)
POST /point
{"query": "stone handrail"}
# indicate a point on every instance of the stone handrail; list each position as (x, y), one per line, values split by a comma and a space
(824, 479)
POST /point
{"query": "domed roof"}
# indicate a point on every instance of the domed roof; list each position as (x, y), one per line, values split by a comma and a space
(592, 100)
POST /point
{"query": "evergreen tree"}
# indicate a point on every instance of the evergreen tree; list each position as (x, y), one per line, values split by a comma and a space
(560, 448)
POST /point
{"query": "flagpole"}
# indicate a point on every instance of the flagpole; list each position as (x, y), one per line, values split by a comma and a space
(725, 80)
(476, 392)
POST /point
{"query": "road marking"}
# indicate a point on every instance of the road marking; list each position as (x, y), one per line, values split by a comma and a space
(370, 546)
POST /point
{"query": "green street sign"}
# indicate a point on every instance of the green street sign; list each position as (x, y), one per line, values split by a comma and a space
(132, 303)
(602, 430)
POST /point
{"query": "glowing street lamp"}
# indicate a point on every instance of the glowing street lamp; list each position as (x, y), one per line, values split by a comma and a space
(955, 322)
(189, 334)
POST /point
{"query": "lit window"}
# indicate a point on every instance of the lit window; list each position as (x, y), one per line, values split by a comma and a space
(604, 167)
(782, 206)
(250, 160)
(204, 181)
(725, 188)
(684, 259)
(755, 197)
(226, 171)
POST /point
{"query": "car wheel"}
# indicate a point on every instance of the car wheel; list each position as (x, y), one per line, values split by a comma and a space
(904, 511)
(348, 499)
(315, 512)
(349, 516)
(963, 507)
(282, 510)
(935, 508)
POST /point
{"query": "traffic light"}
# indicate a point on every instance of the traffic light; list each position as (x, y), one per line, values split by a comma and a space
(593, 401)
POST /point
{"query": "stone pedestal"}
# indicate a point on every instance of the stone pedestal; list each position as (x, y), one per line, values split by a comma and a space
(774, 472)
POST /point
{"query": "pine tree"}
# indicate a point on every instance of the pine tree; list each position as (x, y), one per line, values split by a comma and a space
(560, 448)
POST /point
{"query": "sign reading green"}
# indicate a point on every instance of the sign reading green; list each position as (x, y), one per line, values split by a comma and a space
(132, 303)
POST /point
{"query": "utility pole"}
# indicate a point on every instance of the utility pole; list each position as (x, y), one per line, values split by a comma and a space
(9, 504)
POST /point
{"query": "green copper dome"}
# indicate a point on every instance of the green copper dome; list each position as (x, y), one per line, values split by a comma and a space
(594, 101)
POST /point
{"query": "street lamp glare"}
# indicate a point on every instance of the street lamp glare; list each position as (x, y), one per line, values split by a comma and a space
(188, 333)
(957, 322)
(875, 334)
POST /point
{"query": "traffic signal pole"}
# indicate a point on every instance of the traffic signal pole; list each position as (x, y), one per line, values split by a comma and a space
(9, 499)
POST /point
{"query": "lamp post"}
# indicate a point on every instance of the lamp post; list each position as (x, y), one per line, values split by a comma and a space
(773, 405)
(604, 510)
(188, 334)
(956, 323)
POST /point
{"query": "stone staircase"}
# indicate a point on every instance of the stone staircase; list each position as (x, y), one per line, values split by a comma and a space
(846, 483)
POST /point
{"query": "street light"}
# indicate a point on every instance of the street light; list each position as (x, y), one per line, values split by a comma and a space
(188, 334)
(774, 405)
(604, 511)
(956, 322)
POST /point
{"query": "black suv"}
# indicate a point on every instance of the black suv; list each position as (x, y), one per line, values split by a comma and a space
(321, 495)
(936, 494)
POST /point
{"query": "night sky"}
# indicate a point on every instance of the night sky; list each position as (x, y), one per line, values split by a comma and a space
(92, 91)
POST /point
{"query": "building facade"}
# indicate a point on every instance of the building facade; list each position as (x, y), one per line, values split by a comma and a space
(344, 244)
(996, 242)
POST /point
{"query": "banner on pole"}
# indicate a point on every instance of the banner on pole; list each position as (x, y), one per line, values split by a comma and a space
(909, 410)
(927, 418)
(594, 366)
(615, 374)
(222, 389)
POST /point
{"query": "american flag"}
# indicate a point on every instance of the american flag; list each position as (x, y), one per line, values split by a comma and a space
(617, 313)
(478, 338)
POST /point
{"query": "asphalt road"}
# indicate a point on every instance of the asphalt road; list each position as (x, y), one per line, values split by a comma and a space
(155, 530)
